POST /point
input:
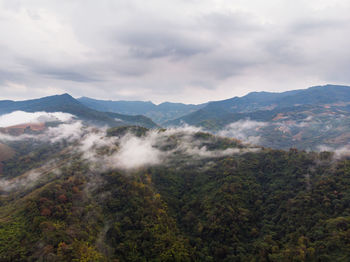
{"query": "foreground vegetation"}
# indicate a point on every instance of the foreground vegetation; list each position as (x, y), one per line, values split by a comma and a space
(270, 205)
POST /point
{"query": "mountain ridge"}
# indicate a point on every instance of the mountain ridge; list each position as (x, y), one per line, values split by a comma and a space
(254, 102)
(306, 118)
(66, 103)
(158, 113)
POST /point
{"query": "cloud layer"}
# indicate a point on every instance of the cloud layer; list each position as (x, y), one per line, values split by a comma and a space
(314, 132)
(21, 117)
(244, 130)
(189, 51)
(131, 152)
(128, 151)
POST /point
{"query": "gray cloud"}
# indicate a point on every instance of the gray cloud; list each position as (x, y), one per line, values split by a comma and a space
(316, 25)
(230, 22)
(65, 74)
(21, 117)
(245, 130)
(158, 44)
(205, 50)
(69, 72)
(8, 76)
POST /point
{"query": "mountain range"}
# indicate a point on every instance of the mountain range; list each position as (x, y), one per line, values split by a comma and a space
(159, 113)
(255, 105)
(265, 106)
(313, 118)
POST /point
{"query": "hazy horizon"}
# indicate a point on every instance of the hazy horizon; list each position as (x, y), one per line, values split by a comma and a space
(179, 102)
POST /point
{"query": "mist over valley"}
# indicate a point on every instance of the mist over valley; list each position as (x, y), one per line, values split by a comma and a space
(185, 131)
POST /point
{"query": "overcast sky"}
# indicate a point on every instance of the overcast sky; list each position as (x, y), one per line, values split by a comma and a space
(187, 51)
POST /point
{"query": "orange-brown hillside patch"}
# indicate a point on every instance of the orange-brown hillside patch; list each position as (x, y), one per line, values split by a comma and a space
(279, 116)
(20, 129)
(32, 126)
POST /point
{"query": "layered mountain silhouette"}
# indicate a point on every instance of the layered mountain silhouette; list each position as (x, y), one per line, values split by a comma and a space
(66, 103)
(306, 118)
(265, 105)
(159, 113)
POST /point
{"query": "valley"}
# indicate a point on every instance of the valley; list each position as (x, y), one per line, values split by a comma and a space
(114, 187)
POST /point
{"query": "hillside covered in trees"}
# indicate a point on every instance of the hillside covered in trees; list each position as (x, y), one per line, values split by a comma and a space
(185, 196)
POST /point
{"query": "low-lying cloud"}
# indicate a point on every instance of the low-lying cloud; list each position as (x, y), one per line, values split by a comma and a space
(339, 152)
(244, 130)
(126, 152)
(136, 152)
(21, 117)
(32, 177)
(129, 151)
(285, 131)
(155, 147)
(20, 182)
(67, 128)
(67, 131)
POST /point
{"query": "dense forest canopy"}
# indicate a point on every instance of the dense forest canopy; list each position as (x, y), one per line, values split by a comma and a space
(193, 197)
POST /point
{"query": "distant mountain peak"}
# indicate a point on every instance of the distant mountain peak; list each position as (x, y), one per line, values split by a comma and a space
(65, 95)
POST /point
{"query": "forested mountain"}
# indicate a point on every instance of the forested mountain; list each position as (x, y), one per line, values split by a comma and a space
(265, 101)
(66, 103)
(304, 119)
(131, 194)
(310, 119)
(159, 113)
